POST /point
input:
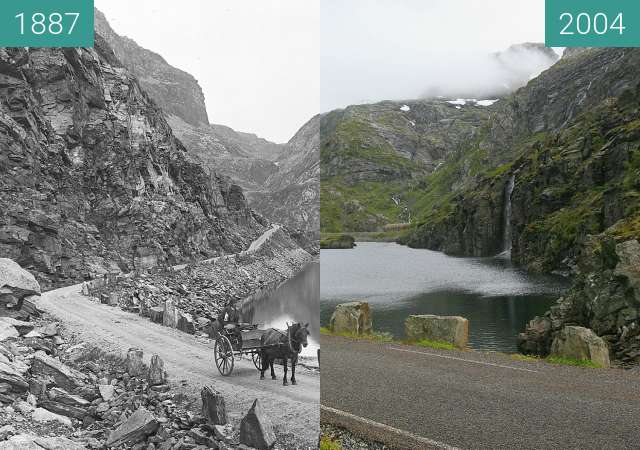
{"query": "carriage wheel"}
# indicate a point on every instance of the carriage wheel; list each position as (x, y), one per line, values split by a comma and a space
(223, 354)
(257, 360)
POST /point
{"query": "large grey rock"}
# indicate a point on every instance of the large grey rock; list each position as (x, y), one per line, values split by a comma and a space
(63, 375)
(256, 429)
(32, 442)
(7, 331)
(134, 364)
(213, 406)
(17, 279)
(11, 377)
(351, 318)
(22, 327)
(135, 429)
(156, 313)
(170, 315)
(582, 344)
(62, 396)
(156, 374)
(185, 323)
(107, 391)
(42, 415)
(450, 329)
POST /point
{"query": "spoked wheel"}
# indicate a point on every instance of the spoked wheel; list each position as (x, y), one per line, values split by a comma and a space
(223, 354)
(257, 360)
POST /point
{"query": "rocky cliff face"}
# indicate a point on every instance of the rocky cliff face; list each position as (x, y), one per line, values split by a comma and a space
(281, 178)
(92, 178)
(292, 193)
(174, 90)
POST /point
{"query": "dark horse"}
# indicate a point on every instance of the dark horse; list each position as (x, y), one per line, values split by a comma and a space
(277, 344)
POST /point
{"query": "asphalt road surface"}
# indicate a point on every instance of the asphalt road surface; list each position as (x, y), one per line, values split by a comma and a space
(293, 409)
(415, 397)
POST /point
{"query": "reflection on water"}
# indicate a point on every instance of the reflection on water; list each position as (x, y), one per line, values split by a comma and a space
(397, 281)
(296, 300)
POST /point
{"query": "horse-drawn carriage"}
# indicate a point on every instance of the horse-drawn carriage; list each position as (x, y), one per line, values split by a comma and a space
(262, 346)
(237, 340)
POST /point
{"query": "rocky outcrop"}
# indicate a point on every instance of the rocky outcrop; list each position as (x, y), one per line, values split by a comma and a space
(174, 90)
(93, 179)
(351, 318)
(449, 329)
(340, 241)
(581, 344)
(605, 298)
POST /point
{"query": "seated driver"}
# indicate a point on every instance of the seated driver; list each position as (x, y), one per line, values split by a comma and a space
(229, 319)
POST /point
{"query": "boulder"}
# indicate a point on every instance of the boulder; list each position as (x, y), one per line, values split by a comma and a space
(256, 429)
(63, 375)
(156, 313)
(351, 318)
(17, 279)
(50, 330)
(62, 396)
(85, 289)
(107, 391)
(450, 329)
(11, 377)
(7, 331)
(113, 299)
(134, 364)
(170, 314)
(32, 442)
(42, 415)
(581, 344)
(133, 430)
(185, 323)
(63, 409)
(22, 327)
(30, 306)
(203, 322)
(536, 339)
(213, 406)
(156, 375)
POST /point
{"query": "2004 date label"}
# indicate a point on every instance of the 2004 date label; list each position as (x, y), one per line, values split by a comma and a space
(592, 23)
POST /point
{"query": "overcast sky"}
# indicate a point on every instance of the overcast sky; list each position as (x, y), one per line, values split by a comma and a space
(256, 60)
(375, 50)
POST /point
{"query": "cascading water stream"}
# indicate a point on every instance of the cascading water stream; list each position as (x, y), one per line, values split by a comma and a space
(506, 245)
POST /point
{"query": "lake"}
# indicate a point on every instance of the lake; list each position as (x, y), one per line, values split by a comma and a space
(397, 281)
(296, 300)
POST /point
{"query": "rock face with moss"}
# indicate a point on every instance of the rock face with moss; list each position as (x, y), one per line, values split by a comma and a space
(338, 241)
(605, 297)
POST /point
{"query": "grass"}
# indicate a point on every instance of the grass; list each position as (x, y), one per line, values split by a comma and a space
(377, 336)
(557, 360)
(573, 362)
(326, 443)
(437, 345)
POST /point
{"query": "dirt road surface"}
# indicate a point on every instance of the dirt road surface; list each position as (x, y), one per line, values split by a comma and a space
(294, 410)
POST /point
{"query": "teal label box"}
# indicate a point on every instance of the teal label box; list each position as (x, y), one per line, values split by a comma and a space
(592, 23)
(46, 23)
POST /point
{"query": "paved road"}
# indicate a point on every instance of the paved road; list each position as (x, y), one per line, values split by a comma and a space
(472, 400)
(294, 409)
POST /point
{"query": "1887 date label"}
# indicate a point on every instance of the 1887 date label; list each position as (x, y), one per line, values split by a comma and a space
(46, 23)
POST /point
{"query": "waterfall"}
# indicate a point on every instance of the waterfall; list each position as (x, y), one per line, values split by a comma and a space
(506, 245)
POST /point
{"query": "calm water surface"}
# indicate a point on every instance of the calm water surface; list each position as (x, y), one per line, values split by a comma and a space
(398, 281)
(294, 301)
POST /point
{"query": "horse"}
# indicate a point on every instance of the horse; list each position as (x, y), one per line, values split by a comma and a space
(276, 344)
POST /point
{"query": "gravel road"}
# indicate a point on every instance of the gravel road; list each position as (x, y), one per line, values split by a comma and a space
(293, 409)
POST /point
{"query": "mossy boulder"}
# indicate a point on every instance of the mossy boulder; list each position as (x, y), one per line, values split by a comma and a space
(352, 318)
(450, 329)
(341, 241)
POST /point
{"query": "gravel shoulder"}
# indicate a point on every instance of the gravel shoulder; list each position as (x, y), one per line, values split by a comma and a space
(188, 360)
